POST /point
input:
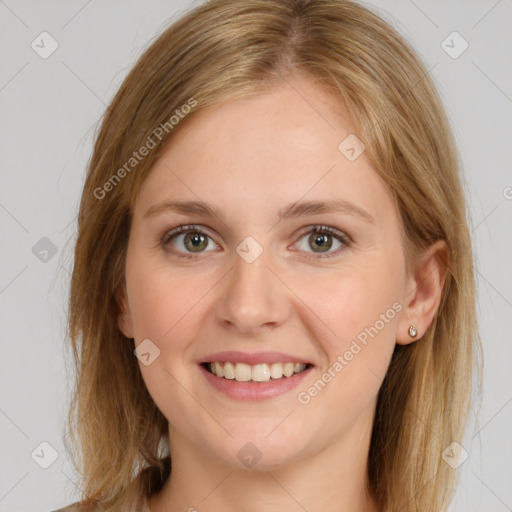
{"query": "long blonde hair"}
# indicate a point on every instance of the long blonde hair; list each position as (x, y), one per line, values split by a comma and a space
(227, 49)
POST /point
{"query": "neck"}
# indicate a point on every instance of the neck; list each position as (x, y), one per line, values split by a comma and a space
(332, 479)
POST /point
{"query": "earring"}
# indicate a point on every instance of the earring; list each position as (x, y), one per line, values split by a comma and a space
(413, 331)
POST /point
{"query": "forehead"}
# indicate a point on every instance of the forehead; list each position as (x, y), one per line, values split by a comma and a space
(272, 149)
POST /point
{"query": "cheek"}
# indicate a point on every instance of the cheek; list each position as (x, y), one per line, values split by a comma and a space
(155, 306)
(359, 305)
(165, 300)
(165, 305)
(361, 309)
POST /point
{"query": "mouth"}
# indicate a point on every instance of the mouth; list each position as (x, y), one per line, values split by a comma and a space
(257, 373)
(252, 376)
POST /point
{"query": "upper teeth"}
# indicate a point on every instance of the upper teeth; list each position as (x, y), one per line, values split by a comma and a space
(242, 372)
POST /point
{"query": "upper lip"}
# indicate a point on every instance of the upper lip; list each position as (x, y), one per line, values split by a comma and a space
(253, 358)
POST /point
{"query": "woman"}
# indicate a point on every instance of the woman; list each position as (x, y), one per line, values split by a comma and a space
(273, 289)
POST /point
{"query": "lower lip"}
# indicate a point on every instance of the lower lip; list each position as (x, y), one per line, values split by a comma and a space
(254, 390)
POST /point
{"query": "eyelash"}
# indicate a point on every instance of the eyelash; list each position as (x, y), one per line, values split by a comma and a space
(344, 239)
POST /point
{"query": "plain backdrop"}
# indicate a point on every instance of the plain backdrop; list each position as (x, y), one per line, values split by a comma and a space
(49, 109)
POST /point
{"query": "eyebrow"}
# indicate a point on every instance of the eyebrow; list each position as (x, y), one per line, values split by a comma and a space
(293, 210)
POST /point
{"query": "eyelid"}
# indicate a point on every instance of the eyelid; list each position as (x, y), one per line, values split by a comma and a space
(320, 228)
(185, 228)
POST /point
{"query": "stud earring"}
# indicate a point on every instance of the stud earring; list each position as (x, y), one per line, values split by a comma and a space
(413, 331)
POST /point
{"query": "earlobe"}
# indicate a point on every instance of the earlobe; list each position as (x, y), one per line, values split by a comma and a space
(124, 319)
(124, 323)
(423, 294)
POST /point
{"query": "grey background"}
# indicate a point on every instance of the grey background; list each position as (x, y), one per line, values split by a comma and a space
(49, 109)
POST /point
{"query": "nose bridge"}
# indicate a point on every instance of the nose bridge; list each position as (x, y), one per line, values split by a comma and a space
(252, 296)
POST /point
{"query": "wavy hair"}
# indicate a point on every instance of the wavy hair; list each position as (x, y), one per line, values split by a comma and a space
(228, 49)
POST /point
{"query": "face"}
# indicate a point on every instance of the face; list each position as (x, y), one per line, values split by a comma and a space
(261, 284)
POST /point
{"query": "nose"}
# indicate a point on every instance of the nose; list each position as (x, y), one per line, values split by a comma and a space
(253, 297)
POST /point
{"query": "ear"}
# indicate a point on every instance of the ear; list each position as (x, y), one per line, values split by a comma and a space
(423, 292)
(124, 319)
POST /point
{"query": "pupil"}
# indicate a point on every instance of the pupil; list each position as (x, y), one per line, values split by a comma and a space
(322, 238)
(197, 240)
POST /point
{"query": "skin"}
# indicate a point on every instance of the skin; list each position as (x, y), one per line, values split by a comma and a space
(251, 158)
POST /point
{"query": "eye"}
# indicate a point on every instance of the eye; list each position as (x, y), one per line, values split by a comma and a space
(190, 239)
(322, 237)
(187, 238)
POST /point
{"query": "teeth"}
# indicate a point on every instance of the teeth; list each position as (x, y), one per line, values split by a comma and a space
(288, 369)
(217, 369)
(242, 372)
(276, 370)
(261, 373)
(229, 371)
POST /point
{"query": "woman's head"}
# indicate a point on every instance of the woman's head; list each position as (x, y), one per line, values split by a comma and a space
(255, 108)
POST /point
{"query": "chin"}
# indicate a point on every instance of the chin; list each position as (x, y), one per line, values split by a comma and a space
(258, 453)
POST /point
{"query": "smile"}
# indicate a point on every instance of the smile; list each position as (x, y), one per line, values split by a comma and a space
(264, 372)
(254, 376)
